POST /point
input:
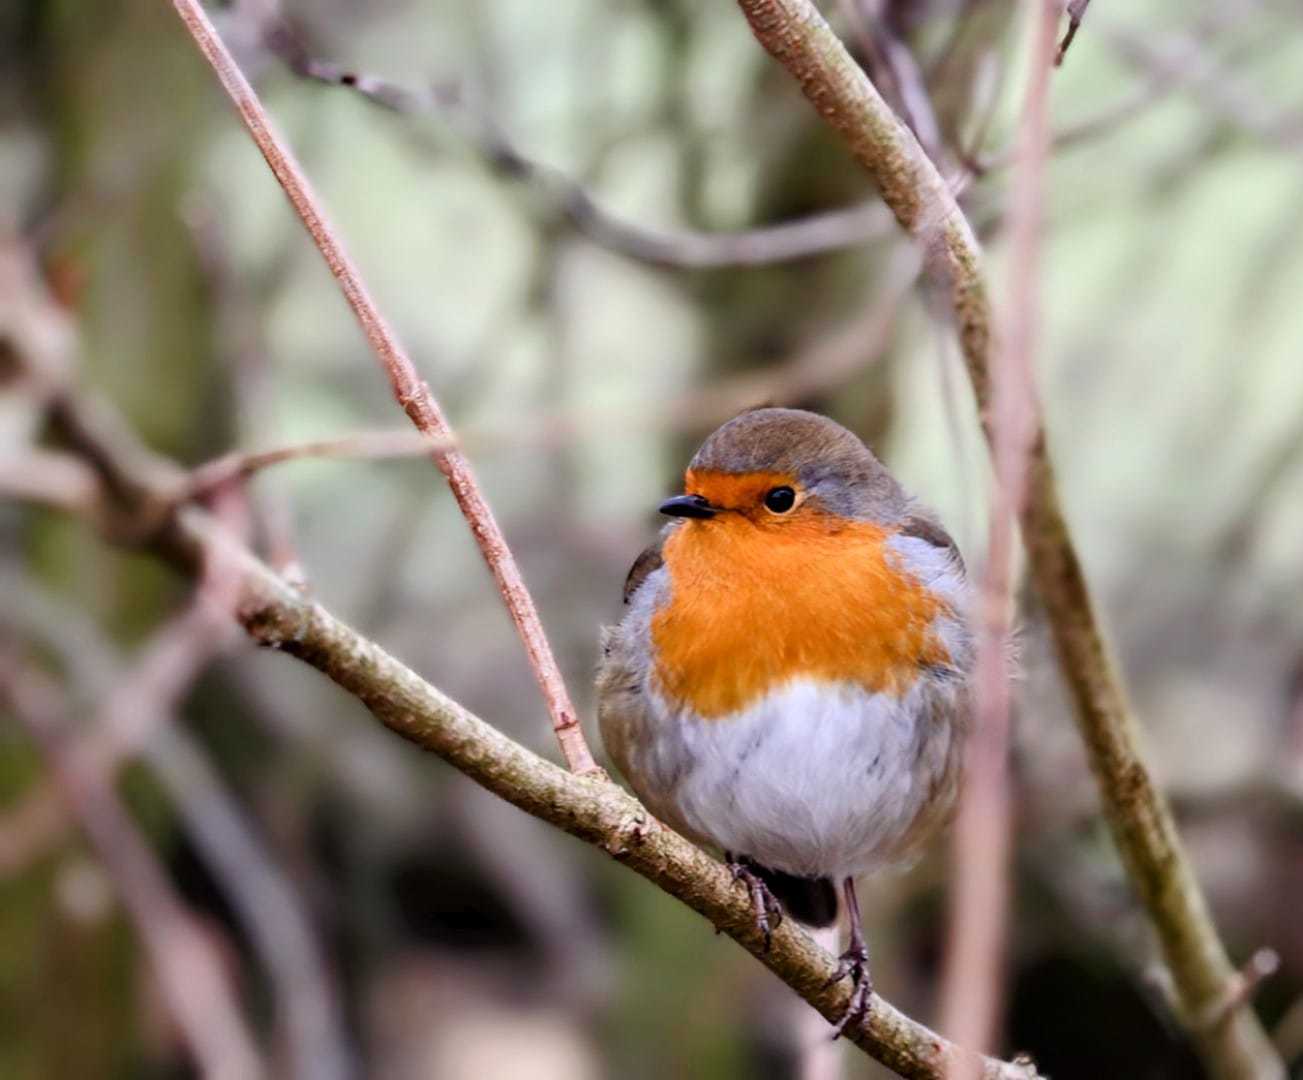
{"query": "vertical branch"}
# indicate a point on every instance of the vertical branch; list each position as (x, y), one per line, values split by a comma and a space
(1138, 815)
(409, 388)
(972, 990)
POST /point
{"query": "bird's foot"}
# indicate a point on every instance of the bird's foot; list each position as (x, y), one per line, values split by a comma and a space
(766, 909)
(854, 962)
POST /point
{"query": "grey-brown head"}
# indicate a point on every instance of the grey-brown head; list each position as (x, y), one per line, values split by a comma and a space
(769, 462)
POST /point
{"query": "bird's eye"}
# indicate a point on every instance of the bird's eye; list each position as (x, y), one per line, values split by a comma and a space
(779, 500)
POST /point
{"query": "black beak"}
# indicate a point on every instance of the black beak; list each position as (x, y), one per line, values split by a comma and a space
(692, 506)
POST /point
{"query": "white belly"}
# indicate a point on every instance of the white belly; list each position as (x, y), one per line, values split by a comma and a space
(816, 779)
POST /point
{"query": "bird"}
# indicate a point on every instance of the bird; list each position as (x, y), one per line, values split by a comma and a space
(791, 682)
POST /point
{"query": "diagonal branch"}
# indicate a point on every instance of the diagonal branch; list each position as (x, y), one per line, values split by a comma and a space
(589, 807)
(973, 987)
(137, 503)
(683, 249)
(1141, 821)
(409, 388)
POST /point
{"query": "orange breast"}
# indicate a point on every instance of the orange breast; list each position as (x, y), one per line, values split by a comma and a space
(752, 607)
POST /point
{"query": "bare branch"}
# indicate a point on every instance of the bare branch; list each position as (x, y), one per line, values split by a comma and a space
(409, 388)
(587, 806)
(55, 479)
(818, 368)
(1186, 61)
(1140, 818)
(972, 991)
(360, 445)
(685, 249)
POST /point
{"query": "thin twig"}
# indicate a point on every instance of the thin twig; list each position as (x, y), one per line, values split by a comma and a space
(357, 446)
(892, 57)
(1260, 966)
(409, 388)
(243, 353)
(1076, 12)
(973, 986)
(53, 478)
(828, 362)
(1192, 64)
(1139, 816)
(63, 481)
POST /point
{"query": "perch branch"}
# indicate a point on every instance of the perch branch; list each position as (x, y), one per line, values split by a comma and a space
(587, 806)
(1138, 815)
(409, 388)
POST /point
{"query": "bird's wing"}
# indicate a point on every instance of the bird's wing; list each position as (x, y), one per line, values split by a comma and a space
(644, 565)
(923, 526)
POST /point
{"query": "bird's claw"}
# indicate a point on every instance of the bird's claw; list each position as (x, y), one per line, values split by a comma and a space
(854, 962)
(766, 909)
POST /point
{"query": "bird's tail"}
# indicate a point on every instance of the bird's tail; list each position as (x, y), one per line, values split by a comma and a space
(812, 901)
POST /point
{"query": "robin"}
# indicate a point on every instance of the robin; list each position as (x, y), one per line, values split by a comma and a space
(791, 681)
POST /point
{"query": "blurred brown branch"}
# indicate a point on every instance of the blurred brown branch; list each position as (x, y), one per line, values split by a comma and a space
(826, 363)
(411, 391)
(797, 36)
(238, 324)
(908, 92)
(137, 722)
(688, 249)
(357, 446)
(1191, 62)
(587, 806)
(191, 971)
(973, 986)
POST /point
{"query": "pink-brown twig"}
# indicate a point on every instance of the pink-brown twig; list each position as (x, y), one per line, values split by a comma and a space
(409, 388)
(1076, 12)
(359, 445)
(972, 988)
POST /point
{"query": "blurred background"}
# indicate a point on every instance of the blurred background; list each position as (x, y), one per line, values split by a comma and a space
(567, 210)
